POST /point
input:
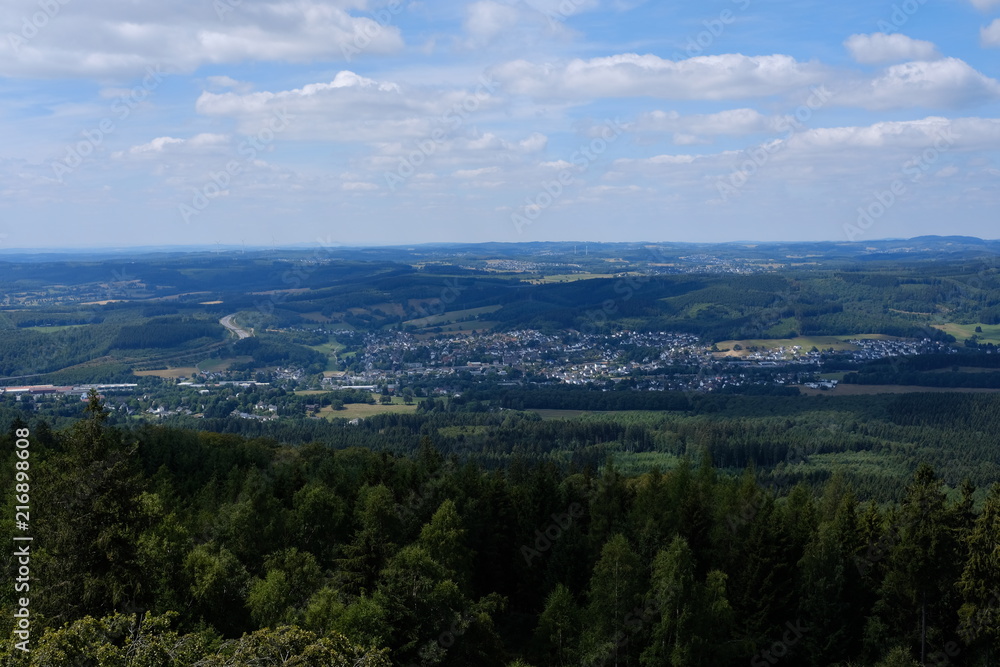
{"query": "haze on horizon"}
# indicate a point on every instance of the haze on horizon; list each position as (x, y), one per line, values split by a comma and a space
(391, 122)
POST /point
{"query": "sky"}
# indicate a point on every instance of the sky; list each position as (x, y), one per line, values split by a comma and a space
(273, 123)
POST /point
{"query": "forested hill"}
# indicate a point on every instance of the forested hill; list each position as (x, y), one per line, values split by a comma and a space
(176, 547)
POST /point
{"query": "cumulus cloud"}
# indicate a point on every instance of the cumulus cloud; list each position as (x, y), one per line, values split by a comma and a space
(631, 75)
(990, 35)
(835, 150)
(985, 5)
(880, 48)
(353, 108)
(962, 133)
(946, 83)
(119, 38)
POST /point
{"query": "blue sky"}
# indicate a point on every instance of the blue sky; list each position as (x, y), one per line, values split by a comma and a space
(133, 122)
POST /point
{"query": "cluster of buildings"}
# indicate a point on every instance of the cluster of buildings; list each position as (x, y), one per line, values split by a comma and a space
(50, 390)
(647, 360)
(871, 349)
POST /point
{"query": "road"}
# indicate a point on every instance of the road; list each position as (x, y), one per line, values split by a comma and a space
(241, 333)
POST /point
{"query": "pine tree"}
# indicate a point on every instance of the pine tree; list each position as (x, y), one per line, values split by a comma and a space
(375, 539)
(979, 585)
(615, 593)
(445, 541)
(919, 570)
(558, 630)
(90, 530)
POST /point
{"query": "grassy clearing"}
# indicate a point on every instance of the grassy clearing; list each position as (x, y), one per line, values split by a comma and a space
(639, 463)
(568, 277)
(363, 410)
(452, 316)
(215, 365)
(570, 414)
(170, 373)
(55, 328)
(990, 334)
(330, 350)
(316, 317)
(838, 343)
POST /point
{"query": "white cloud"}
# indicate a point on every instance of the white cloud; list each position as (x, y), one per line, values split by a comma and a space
(630, 75)
(119, 38)
(963, 133)
(163, 144)
(485, 20)
(348, 108)
(946, 83)
(693, 128)
(990, 35)
(881, 48)
(513, 27)
(534, 143)
(985, 5)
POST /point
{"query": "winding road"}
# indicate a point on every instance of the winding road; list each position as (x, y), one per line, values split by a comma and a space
(240, 332)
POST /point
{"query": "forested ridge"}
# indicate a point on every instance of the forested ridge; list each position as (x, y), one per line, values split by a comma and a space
(168, 546)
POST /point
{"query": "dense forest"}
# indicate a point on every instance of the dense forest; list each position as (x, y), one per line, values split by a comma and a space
(166, 546)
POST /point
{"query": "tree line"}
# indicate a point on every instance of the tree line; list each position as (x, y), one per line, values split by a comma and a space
(167, 546)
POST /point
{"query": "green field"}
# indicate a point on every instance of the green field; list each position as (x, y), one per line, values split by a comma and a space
(331, 351)
(805, 342)
(990, 334)
(451, 316)
(55, 328)
(568, 414)
(215, 365)
(363, 410)
(172, 373)
(569, 277)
